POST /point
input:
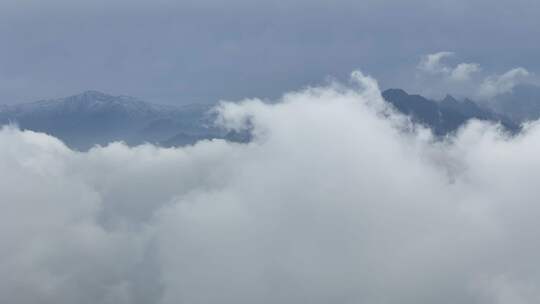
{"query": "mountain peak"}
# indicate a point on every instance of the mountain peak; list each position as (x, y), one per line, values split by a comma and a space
(449, 99)
(91, 95)
(395, 92)
(94, 99)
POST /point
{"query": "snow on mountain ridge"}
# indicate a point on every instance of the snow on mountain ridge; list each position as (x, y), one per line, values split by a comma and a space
(95, 118)
(92, 102)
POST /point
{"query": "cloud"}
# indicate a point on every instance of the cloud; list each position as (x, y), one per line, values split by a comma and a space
(433, 64)
(463, 71)
(332, 202)
(499, 84)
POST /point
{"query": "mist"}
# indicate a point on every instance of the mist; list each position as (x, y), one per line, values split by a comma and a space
(337, 199)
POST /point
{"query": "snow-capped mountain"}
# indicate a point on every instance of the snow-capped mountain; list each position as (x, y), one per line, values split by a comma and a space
(92, 118)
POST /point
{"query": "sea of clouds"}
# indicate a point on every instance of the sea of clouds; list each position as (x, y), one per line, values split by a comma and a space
(338, 199)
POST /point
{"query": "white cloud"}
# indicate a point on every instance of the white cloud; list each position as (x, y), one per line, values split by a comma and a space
(499, 84)
(330, 203)
(433, 64)
(464, 71)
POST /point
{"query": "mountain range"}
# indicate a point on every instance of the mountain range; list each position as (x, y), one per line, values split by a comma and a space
(94, 118)
(444, 116)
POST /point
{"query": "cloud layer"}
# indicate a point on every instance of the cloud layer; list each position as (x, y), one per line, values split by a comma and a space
(335, 201)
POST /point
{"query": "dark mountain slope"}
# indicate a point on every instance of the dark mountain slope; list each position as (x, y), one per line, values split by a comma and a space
(445, 116)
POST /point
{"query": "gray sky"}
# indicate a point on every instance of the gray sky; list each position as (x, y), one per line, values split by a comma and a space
(206, 50)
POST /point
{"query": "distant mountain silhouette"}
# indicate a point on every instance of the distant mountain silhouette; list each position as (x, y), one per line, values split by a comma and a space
(445, 116)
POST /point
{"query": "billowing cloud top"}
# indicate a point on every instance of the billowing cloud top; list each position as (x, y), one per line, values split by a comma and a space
(333, 202)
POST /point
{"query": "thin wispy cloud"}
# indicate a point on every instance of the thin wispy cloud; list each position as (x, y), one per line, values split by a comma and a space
(468, 79)
(434, 64)
(504, 83)
(464, 71)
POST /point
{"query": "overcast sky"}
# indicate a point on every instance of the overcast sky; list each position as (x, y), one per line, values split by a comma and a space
(206, 50)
